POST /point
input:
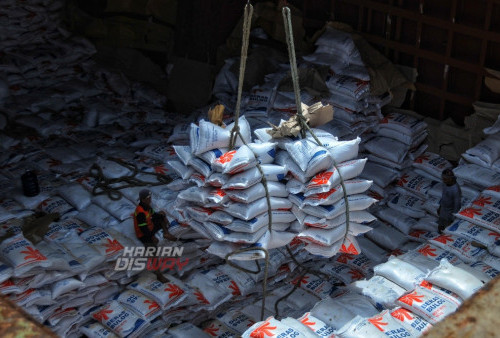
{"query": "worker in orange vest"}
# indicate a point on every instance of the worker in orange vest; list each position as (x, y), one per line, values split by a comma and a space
(147, 223)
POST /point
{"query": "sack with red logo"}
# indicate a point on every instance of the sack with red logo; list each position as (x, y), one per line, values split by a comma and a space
(235, 161)
(216, 328)
(416, 184)
(427, 304)
(326, 180)
(121, 321)
(459, 246)
(386, 236)
(455, 279)
(143, 306)
(167, 295)
(400, 272)
(481, 216)
(360, 262)
(235, 320)
(487, 201)
(309, 156)
(317, 325)
(382, 324)
(493, 190)
(342, 272)
(103, 242)
(382, 292)
(354, 186)
(432, 163)
(415, 324)
(314, 285)
(407, 205)
(400, 221)
(252, 176)
(23, 256)
(273, 327)
(97, 330)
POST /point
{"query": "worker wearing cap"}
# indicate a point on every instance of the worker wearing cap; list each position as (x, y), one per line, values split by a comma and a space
(147, 222)
(451, 197)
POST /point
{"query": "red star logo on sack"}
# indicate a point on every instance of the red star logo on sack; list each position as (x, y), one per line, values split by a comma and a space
(427, 251)
(344, 258)
(212, 330)
(161, 169)
(153, 304)
(219, 192)
(321, 178)
(351, 249)
(227, 157)
(482, 201)
(307, 322)
(422, 158)
(417, 233)
(302, 281)
(235, 288)
(378, 322)
(33, 255)
(470, 212)
(265, 330)
(6, 284)
(171, 151)
(201, 297)
(402, 314)
(494, 188)
(494, 234)
(411, 297)
(443, 239)
(174, 290)
(396, 252)
(102, 314)
(355, 274)
(113, 246)
(426, 284)
(403, 180)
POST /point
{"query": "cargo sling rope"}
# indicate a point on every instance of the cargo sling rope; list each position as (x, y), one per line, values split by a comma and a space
(287, 19)
(235, 133)
(104, 185)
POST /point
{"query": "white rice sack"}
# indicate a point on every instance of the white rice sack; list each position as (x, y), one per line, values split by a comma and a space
(315, 285)
(486, 152)
(386, 236)
(332, 313)
(184, 153)
(399, 220)
(345, 273)
(359, 216)
(379, 174)
(120, 209)
(381, 291)
(123, 322)
(427, 304)
(349, 86)
(208, 136)
(415, 324)
(354, 186)
(436, 254)
(408, 205)
(404, 123)
(65, 286)
(481, 270)
(492, 261)
(400, 272)
(180, 169)
(272, 327)
(256, 223)
(480, 216)
(251, 210)
(29, 202)
(309, 156)
(343, 151)
(454, 279)
(201, 167)
(416, 184)
(103, 242)
(250, 177)
(284, 159)
(96, 216)
(477, 175)
(472, 232)
(317, 326)
(356, 202)
(380, 325)
(76, 195)
(360, 262)
(275, 189)
(22, 255)
(432, 163)
(488, 201)
(168, 295)
(326, 180)
(97, 330)
(387, 148)
(202, 214)
(143, 306)
(410, 140)
(235, 161)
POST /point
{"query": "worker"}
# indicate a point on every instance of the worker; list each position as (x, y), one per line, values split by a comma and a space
(147, 223)
(451, 198)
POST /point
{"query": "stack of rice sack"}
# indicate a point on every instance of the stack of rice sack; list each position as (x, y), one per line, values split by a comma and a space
(348, 82)
(407, 294)
(397, 142)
